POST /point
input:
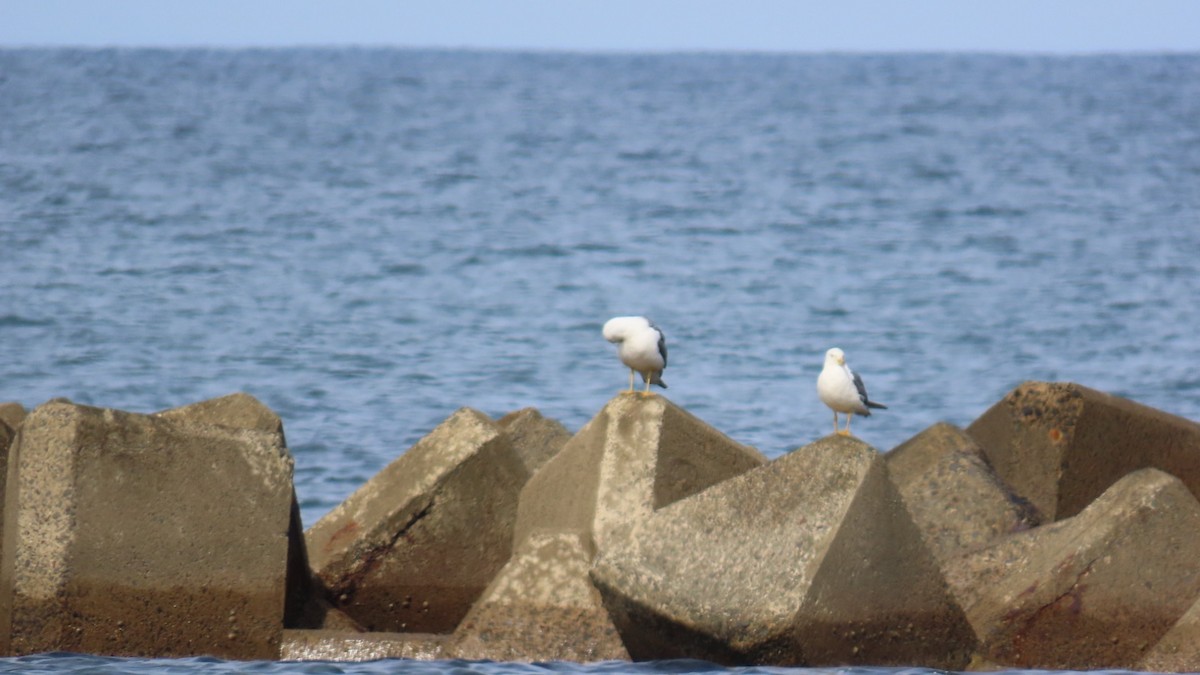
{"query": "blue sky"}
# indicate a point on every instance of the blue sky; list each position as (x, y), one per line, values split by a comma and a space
(1058, 26)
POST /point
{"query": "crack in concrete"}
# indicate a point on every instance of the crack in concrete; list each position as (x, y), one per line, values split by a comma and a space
(370, 559)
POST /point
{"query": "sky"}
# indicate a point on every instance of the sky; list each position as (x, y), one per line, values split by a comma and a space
(1039, 26)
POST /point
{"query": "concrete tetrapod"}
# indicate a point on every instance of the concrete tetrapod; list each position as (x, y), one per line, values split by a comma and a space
(810, 560)
(306, 606)
(412, 549)
(7, 435)
(953, 496)
(1093, 591)
(541, 607)
(1179, 650)
(636, 455)
(11, 415)
(129, 534)
(1060, 444)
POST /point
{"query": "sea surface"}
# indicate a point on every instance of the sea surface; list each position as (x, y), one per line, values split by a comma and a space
(369, 239)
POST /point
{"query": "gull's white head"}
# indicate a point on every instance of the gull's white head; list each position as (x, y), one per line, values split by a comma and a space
(621, 327)
(835, 355)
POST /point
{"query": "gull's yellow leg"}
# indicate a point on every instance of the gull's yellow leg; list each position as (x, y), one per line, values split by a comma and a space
(836, 430)
(647, 393)
(847, 431)
(631, 380)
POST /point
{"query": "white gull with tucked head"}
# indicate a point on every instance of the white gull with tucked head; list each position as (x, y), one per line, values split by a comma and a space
(842, 390)
(641, 346)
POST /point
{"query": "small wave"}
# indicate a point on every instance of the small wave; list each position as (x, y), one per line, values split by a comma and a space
(996, 243)
(87, 147)
(123, 272)
(184, 130)
(538, 251)
(988, 211)
(1126, 305)
(930, 173)
(217, 235)
(18, 321)
(958, 277)
(593, 246)
(642, 155)
(831, 312)
(676, 212)
(404, 269)
(193, 269)
(441, 181)
(722, 231)
(632, 263)
(80, 359)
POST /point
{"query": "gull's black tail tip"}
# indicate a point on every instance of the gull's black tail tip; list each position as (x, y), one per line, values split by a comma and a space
(872, 404)
(657, 379)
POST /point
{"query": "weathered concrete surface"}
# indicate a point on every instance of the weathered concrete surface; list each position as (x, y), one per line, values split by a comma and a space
(306, 605)
(541, 607)
(12, 413)
(334, 645)
(534, 438)
(412, 549)
(1061, 445)
(1093, 591)
(636, 455)
(809, 560)
(7, 435)
(1179, 650)
(130, 534)
(953, 496)
(238, 410)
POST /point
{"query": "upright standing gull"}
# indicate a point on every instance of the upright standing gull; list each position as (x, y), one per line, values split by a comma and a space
(641, 346)
(842, 390)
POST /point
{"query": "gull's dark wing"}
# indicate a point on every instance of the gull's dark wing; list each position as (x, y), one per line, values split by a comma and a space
(862, 388)
(862, 393)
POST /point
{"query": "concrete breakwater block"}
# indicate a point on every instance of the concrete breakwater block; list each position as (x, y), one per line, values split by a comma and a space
(809, 560)
(1093, 591)
(6, 436)
(130, 534)
(412, 549)
(1179, 650)
(11, 413)
(534, 438)
(1061, 445)
(541, 607)
(335, 645)
(636, 455)
(305, 606)
(953, 495)
(238, 410)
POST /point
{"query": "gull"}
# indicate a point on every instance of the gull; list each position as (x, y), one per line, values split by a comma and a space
(641, 347)
(842, 390)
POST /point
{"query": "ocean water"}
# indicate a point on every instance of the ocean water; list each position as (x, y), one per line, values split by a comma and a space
(368, 239)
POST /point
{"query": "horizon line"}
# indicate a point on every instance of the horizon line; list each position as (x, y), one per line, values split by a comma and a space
(612, 51)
